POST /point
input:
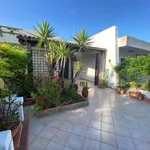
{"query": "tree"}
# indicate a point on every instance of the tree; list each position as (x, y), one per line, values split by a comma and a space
(44, 32)
(63, 51)
(82, 40)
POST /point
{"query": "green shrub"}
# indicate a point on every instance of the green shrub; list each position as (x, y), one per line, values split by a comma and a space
(134, 84)
(12, 59)
(146, 86)
(13, 65)
(132, 69)
(104, 82)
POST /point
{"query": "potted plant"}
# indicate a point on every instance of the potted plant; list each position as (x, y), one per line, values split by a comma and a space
(9, 118)
(122, 88)
(146, 87)
(103, 83)
(85, 88)
(78, 68)
(135, 93)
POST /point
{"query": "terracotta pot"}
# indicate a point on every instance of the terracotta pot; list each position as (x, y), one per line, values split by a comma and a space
(15, 131)
(136, 95)
(141, 97)
(118, 90)
(101, 86)
(147, 100)
(121, 90)
(85, 93)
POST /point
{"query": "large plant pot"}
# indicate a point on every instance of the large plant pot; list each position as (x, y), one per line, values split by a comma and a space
(121, 90)
(136, 95)
(118, 90)
(141, 97)
(85, 92)
(15, 131)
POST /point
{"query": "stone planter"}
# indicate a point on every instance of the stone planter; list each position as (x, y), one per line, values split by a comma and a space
(60, 109)
(14, 132)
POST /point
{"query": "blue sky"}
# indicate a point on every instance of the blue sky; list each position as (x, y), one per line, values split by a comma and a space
(131, 16)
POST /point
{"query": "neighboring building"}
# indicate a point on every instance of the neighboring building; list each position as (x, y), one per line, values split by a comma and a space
(105, 52)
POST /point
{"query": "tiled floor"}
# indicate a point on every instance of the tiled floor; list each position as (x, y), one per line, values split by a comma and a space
(110, 122)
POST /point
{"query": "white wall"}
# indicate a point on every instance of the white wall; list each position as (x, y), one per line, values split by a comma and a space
(124, 52)
(109, 39)
(88, 72)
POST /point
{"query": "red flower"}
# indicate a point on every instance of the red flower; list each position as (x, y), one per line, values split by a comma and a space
(58, 92)
(65, 87)
(58, 77)
(40, 101)
(44, 82)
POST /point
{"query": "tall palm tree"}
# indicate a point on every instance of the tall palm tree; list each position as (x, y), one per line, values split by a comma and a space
(44, 33)
(63, 51)
(82, 40)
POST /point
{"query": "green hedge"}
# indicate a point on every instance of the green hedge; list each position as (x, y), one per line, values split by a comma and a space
(132, 69)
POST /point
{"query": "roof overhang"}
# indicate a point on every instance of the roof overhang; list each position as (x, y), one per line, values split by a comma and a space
(30, 39)
(128, 41)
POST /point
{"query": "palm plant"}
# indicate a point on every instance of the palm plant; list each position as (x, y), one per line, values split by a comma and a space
(82, 40)
(44, 32)
(63, 51)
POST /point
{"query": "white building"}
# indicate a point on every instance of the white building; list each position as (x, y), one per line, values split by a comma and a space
(106, 51)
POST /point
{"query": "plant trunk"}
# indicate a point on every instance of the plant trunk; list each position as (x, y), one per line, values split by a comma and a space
(75, 77)
(60, 69)
(64, 64)
(79, 51)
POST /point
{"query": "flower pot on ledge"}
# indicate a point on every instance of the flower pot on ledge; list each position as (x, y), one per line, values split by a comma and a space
(136, 95)
(121, 90)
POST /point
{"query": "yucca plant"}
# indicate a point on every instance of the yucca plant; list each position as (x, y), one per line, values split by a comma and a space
(63, 51)
(82, 40)
(44, 33)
